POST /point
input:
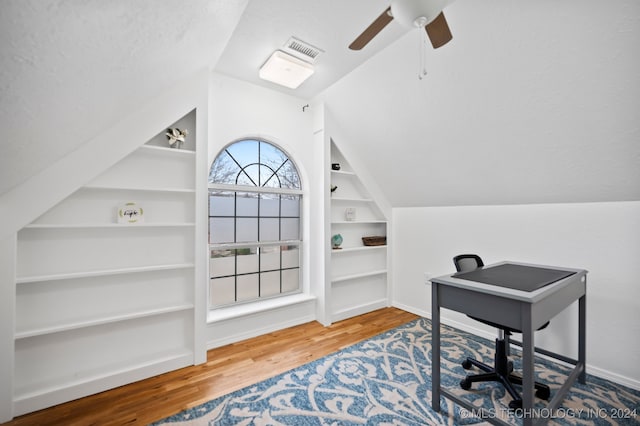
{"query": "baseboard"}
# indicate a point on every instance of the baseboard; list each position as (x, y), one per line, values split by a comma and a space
(616, 378)
(358, 310)
(591, 369)
(54, 395)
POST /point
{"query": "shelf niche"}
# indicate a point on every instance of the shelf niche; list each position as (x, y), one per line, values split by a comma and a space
(99, 303)
(358, 273)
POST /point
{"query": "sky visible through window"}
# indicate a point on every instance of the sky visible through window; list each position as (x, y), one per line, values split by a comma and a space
(254, 163)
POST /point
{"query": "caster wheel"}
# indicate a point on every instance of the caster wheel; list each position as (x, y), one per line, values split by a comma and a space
(466, 364)
(543, 393)
(465, 384)
(515, 404)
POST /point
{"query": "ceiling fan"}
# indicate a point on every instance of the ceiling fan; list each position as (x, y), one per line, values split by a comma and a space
(425, 14)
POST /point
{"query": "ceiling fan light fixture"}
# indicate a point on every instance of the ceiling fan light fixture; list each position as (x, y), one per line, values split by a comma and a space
(285, 70)
(416, 13)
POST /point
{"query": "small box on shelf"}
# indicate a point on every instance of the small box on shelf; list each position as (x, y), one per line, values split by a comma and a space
(374, 240)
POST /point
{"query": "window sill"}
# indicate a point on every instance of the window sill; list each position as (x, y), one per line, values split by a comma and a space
(232, 312)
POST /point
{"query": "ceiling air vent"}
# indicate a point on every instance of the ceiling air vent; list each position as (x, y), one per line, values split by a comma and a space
(302, 50)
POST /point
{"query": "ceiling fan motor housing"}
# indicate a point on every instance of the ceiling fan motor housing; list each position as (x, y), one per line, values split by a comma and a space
(416, 13)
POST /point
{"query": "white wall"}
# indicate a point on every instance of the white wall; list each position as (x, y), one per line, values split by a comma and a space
(547, 95)
(239, 110)
(603, 238)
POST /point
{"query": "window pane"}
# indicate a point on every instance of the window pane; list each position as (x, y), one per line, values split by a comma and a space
(222, 263)
(269, 283)
(291, 206)
(247, 273)
(249, 175)
(247, 205)
(244, 152)
(290, 229)
(269, 205)
(247, 259)
(268, 177)
(269, 229)
(290, 280)
(221, 204)
(290, 256)
(247, 230)
(224, 170)
(289, 177)
(269, 258)
(271, 156)
(221, 230)
(247, 287)
(222, 291)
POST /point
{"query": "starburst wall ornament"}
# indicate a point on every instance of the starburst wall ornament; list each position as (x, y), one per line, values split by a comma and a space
(176, 137)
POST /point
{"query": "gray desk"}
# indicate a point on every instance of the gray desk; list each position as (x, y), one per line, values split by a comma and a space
(522, 310)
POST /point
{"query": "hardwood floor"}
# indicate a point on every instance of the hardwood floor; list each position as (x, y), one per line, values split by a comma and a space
(227, 369)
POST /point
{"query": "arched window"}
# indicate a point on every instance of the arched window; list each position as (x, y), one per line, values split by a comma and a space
(255, 199)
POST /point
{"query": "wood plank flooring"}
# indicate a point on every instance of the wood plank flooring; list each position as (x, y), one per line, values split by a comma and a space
(227, 369)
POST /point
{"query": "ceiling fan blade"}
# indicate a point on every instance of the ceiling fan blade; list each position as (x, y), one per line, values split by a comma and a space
(372, 30)
(438, 31)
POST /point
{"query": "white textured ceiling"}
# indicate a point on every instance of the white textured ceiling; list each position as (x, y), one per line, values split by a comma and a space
(330, 25)
(71, 69)
(532, 101)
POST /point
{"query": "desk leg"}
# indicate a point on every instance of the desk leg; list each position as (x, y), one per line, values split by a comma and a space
(527, 365)
(582, 336)
(435, 347)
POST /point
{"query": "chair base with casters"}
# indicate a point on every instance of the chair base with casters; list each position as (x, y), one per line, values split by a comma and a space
(502, 372)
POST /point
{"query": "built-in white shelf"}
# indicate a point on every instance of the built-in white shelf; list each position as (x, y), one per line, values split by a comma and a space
(137, 188)
(357, 249)
(168, 150)
(343, 173)
(108, 225)
(104, 320)
(104, 272)
(359, 275)
(357, 222)
(358, 280)
(354, 199)
(98, 303)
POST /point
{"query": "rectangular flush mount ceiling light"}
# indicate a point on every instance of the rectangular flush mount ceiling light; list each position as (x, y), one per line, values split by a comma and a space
(286, 70)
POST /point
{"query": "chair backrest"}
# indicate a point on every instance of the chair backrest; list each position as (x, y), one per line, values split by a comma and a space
(467, 262)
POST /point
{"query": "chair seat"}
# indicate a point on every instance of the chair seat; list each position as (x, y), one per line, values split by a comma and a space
(506, 329)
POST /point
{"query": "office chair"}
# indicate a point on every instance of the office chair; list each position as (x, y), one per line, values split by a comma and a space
(502, 370)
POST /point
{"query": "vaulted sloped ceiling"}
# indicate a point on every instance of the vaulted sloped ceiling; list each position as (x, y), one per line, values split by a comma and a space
(531, 102)
(69, 70)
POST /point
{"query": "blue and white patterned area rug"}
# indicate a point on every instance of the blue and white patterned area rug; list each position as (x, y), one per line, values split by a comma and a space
(386, 380)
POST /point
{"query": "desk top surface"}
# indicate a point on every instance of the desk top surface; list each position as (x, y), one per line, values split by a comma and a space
(519, 281)
(518, 277)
